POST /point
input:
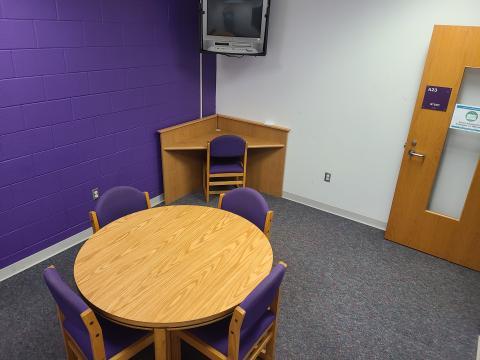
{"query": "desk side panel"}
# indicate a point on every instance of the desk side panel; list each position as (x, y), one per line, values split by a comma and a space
(182, 173)
(182, 170)
(265, 170)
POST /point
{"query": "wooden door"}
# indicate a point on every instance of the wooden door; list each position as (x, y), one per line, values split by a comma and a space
(411, 223)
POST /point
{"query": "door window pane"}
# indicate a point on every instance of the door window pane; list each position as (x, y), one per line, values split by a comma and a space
(459, 158)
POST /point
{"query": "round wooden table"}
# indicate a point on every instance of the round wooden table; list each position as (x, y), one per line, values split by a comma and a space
(172, 267)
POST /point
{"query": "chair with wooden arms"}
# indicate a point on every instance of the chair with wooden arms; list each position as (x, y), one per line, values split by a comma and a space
(226, 163)
(86, 336)
(249, 332)
(249, 204)
(116, 203)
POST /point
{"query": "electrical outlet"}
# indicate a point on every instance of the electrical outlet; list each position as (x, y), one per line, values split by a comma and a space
(95, 193)
(327, 177)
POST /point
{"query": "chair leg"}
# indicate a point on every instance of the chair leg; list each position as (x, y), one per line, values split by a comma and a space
(207, 192)
(69, 352)
(70, 355)
(206, 187)
(270, 348)
(204, 175)
(270, 353)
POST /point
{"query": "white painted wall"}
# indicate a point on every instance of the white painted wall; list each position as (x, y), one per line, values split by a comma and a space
(344, 76)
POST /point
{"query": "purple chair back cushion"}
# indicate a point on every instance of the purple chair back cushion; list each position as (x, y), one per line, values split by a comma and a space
(256, 321)
(67, 300)
(118, 202)
(257, 302)
(70, 304)
(216, 334)
(247, 203)
(227, 146)
(115, 337)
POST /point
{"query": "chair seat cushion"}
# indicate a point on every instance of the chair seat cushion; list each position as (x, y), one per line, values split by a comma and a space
(115, 337)
(225, 165)
(216, 334)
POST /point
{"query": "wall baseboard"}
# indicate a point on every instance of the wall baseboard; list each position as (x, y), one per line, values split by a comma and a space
(44, 254)
(59, 247)
(157, 200)
(478, 349)
(336, 211)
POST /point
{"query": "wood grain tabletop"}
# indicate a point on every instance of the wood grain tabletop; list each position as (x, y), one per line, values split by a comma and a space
(172, 266)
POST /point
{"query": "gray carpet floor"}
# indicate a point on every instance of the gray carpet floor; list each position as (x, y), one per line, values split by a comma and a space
(348, 294)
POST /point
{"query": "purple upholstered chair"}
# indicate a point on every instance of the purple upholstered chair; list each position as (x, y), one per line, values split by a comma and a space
(86, 336)
(249, 204)
(250, 331)
(116, 203)
(226, 158)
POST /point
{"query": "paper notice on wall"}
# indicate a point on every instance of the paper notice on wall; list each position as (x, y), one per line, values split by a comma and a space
(466, 117)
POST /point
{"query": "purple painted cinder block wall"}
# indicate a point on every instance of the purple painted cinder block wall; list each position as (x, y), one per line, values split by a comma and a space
(84, 85)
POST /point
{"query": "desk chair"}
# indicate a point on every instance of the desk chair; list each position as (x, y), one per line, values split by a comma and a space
(85, 336)
(249, 204)
(249, 332)
(116, 203)
(226, 158)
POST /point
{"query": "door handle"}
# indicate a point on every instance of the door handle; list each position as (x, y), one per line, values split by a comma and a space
(412, 153)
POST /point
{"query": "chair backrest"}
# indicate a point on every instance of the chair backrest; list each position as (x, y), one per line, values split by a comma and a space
(118, 202)
(75, 315)
(248, 203)
(258, 301)
(227, 146)
(70, 304)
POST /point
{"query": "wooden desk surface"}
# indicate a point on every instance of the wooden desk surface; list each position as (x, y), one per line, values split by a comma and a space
(173, 266)
(200, 142)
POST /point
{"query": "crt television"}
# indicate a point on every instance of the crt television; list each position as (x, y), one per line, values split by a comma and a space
(235, 27)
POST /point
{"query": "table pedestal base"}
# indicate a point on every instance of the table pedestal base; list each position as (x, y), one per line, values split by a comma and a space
(161, 340)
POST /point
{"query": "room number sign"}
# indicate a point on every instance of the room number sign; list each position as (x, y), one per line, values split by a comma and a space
(436, 98)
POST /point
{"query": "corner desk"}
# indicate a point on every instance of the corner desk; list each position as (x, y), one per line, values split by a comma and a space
(184, 147)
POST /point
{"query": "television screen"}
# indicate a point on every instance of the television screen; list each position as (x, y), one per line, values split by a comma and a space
(235, 18)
